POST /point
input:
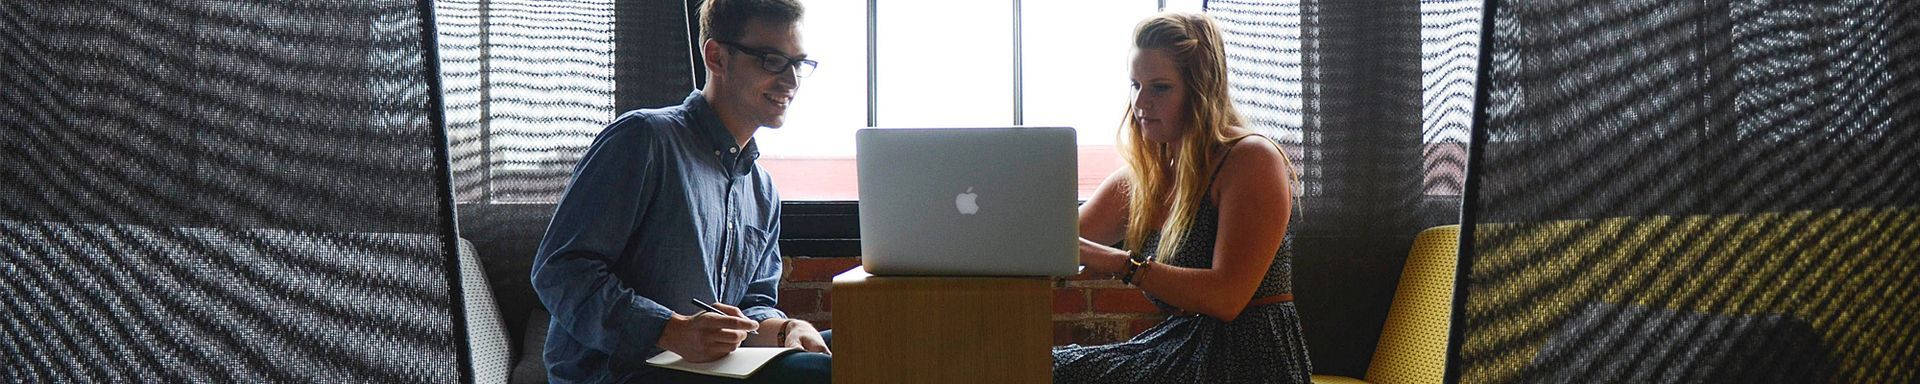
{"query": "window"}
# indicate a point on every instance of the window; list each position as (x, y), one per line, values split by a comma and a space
(953, 64)
(1184, 5)
(528, 90)
(1077, 56)
(811, 158)
(944, 63)
(1449, 47)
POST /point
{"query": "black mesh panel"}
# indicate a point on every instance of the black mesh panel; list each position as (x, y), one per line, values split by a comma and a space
(1696, 191)
(222, 191)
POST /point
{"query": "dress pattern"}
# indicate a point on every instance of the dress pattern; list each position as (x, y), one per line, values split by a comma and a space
(1263, 345)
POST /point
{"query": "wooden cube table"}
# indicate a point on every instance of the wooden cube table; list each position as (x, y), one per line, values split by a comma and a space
(941, 329)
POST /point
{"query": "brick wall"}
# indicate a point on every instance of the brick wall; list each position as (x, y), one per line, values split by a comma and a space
(1099, 311)
(1085, 311)
(806, 291)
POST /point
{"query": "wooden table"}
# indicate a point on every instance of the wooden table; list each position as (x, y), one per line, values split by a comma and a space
(941, 329)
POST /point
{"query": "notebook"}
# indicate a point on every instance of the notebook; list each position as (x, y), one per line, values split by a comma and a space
(969, 201)
(743, 362)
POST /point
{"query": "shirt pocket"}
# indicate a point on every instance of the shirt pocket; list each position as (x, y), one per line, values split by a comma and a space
(753, 250)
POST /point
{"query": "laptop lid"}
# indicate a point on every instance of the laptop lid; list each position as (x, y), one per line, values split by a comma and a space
(968, 201)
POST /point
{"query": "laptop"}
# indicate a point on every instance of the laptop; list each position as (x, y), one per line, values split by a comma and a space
(968, 201)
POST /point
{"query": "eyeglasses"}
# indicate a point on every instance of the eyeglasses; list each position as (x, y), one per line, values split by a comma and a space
(775, 61)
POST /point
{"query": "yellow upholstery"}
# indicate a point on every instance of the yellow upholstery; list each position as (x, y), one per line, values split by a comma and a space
(1413, 343)
(1331, 379)
(1844, 271)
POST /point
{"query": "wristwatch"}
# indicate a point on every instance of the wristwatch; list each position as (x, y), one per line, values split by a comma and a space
(784, 327)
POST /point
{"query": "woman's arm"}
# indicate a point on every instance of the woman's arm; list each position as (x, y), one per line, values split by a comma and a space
(1253, 194)
(1103, 219)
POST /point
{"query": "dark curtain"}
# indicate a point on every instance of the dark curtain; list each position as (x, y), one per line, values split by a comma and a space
(530, 82)
(224, 191)
(1359, 92)
(1695, 191)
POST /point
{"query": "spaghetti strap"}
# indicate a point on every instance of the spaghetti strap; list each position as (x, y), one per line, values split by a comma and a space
(1223, 159)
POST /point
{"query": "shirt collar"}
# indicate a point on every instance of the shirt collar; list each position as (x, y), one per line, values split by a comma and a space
(707, 124)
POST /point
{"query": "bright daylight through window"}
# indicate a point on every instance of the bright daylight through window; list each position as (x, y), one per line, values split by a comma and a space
(952, 64)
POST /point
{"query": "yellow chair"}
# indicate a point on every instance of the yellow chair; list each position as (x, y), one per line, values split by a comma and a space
(1413, 343)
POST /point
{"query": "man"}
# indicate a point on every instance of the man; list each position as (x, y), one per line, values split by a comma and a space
(668, 207)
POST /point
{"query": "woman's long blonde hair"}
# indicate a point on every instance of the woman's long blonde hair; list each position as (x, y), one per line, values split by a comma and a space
(1179, 182)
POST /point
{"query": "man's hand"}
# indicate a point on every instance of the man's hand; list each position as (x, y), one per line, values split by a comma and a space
(707, 336)
(801, 334)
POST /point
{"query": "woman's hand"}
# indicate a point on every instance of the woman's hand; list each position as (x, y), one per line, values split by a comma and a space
(1102, 259)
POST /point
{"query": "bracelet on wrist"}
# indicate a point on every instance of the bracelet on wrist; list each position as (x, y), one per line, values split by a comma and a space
(1136, 261)
(1141, 276)
(785, 327)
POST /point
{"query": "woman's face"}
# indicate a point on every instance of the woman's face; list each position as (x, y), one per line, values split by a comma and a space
(1159, 96)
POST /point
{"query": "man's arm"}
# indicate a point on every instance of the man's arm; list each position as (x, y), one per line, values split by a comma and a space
(572, 272)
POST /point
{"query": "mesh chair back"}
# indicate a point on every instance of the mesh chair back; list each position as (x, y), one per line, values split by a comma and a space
(1413, 344)
(486, 330)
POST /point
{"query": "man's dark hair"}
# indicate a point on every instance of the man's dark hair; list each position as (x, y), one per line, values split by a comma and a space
(726, 20)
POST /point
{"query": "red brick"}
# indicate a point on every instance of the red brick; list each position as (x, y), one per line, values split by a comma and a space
(1069, 300)
(1092, 284)
(1083, 332)
(826, 300)
(1088, 331)
(821, 325)
(819, 268)
(801, 301)
(1122, 301)
(815, 318)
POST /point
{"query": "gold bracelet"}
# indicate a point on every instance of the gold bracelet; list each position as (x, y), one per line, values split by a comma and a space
(1135, 262)
(1140, 278)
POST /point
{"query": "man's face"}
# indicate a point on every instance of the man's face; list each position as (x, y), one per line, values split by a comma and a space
(757, 95)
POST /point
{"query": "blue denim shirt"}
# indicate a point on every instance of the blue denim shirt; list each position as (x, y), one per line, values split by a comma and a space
(663, 209)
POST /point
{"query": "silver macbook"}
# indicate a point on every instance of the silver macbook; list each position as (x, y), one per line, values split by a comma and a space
(968, 201)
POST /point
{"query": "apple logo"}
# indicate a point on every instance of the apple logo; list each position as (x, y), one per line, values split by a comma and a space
(965, 202)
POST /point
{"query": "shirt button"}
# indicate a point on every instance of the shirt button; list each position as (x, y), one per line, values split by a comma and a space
(733, 149)
(716, 152)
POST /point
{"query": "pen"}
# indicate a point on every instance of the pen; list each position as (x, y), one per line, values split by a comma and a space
(704, 308)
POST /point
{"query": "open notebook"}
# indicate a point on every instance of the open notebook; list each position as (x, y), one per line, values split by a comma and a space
(741, 363)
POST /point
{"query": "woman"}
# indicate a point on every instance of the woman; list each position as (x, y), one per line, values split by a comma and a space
(1201, 205)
